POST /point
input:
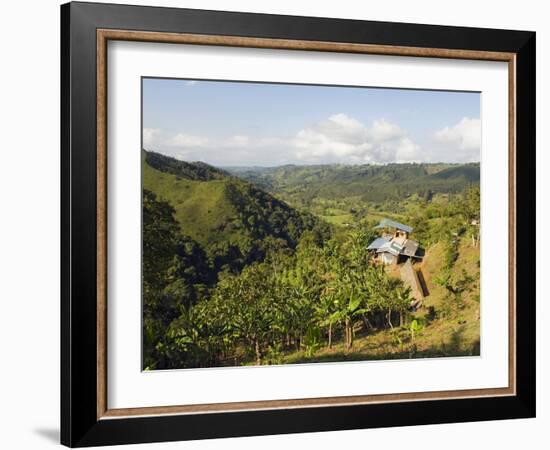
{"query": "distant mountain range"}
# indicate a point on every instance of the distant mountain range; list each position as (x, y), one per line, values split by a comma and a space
(235, 213)
(374, 183)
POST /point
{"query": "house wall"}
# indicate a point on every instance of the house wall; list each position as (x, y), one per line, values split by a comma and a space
(388, 258)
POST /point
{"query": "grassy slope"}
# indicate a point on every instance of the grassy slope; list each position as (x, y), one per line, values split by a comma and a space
(202, 207)
(439, 338)
(222, 213)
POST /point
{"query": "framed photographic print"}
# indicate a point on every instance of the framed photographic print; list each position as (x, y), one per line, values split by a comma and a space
(277, 224)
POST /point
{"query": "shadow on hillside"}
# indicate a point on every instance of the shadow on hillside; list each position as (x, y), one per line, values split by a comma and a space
(423, 284)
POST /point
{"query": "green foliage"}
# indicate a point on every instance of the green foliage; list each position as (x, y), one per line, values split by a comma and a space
(234, 222)
(447, 220)
(373, 183)
(288, 301)
(415, 327)
(456, 285)
(451, 251)
(312, 340)
(159, 243)
(232, 275)
(175, 275)
(159, 239)
(192, 171)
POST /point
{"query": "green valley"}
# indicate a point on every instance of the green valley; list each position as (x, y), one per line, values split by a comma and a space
(273, 265)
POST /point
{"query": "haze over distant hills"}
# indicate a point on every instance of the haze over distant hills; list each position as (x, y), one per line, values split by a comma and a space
(370, 182)
(235, 212)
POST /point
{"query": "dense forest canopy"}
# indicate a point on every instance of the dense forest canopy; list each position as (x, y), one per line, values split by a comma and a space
(269, 265)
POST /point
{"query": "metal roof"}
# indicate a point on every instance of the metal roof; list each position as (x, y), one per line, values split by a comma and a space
(388, 223)
(383, 245)
(377, 243)
(410, 247)
(390, 247)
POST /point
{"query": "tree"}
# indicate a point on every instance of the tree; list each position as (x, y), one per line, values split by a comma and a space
(347, 282)
(176, 272)
(159, 240)
(472, 213)
(247, 304)
(160, 231)
(455, 286)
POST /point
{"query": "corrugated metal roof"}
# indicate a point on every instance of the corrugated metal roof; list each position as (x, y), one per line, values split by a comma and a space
(388, 223)
(384, 248)
(390, 247)
(410, 248)
(377, 243)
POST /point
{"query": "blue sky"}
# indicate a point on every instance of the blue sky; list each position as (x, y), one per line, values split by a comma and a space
(264, 124)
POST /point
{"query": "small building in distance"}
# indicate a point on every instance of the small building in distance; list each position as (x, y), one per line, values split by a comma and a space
(394, 245)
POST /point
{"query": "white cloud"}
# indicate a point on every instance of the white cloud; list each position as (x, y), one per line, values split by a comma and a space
(149, 136)
(238, 140)
(382, 130)
(188, 140)
(344, 139)
(337, 139)
(462, 140)
(190, 82)
(407, 151)
(465, 135)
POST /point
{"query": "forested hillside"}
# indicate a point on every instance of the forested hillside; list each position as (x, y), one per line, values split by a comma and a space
(235, 222)
(270, 266)
(353, 195)
(373, 183)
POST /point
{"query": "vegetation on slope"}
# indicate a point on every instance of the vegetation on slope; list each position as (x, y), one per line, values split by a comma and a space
(374, 183)
(234, 276)
(235, 222)
(438, 329)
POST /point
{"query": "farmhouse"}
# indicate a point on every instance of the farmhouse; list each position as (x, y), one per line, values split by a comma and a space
(394, 246)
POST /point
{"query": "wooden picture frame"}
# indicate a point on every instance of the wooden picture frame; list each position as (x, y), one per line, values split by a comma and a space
(86, 418)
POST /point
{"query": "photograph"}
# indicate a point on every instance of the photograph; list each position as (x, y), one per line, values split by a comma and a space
(279, 222)
(296, 223)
